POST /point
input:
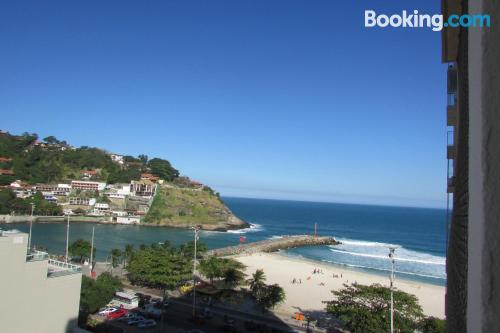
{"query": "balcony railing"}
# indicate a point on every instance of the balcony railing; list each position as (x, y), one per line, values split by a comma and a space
(59, 268)
(55, 267)
(451, 184)
(34, 255)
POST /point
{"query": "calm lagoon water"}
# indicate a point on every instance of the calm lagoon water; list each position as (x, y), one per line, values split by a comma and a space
(366, 233)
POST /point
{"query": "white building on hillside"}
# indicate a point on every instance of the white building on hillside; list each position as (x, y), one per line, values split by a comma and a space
(117, 158)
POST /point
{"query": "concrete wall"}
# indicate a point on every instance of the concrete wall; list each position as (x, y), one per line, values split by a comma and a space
(483, 305)
(30, 301)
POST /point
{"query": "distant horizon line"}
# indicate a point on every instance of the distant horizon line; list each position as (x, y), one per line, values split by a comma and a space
(333, 202)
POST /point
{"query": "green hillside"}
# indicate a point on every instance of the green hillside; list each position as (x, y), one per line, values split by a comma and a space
(51, 160)
(184, 207)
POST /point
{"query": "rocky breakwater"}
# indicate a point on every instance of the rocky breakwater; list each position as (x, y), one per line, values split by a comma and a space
(274, 245)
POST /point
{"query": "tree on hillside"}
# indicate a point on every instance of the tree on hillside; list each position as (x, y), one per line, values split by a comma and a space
(143, 158)
(163, 169)
(366, 308)
(81, 249)
(51, 140)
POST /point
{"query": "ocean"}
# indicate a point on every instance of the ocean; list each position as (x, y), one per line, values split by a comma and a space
(366, 233)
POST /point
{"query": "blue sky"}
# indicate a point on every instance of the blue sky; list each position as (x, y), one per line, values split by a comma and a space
(272, 99)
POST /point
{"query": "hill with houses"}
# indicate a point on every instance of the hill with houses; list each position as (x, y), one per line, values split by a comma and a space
(54, 178)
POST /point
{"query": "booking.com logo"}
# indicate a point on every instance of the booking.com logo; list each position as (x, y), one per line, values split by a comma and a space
(417, 20)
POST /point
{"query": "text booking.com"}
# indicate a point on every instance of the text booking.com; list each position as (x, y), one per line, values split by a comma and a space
(416, 20)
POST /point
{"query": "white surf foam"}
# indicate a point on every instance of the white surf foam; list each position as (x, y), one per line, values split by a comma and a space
(254, 227)
(376, 256)
(378, 250)
(11, 231)
(437, 276)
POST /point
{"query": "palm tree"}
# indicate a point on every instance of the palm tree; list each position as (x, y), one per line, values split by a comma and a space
(127, 254)
(116, 257)
(257, 281)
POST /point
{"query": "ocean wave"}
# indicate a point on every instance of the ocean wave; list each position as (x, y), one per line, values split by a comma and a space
(347, 241)
(439, 261)
(254, 227)
(378, 250)
(384, 270)
(275, 237)
(11, 231)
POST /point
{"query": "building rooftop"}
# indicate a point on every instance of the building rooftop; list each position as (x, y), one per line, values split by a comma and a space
(55, 267)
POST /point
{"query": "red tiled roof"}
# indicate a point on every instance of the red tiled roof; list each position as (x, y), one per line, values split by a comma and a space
(149, 176)
(6, 172)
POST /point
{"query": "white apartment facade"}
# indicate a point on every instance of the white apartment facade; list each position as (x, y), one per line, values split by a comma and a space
(37, 294)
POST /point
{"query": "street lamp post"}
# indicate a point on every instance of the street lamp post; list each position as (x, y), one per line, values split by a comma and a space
(67, 239)
(92, 251)
(196, 229)
(391, 257)
(31, 226)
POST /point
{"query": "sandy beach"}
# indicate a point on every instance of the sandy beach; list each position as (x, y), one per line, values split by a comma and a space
(315, 288)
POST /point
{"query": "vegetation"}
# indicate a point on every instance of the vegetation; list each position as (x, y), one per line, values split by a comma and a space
(267, 296)
(56, 161)
(10, 204)
(271, 295)
(161, 168)
(433, 325)
(366, 309)
(217, 268)
(184, 206)
(80, 248)
(162, 267)
(116, 257)
(97, 293)
(233, 277)
(257, 282)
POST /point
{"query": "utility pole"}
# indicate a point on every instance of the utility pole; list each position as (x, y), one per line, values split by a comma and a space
(31, 226)
(67, 239)
(391, 257)
(92, 251)
(196, 229)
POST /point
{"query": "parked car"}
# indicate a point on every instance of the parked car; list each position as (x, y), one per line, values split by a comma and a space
(151, 311)
(136, 320)
(107, 311)
(195, 331)
(128, 316)
(117, 314)
(147, 323)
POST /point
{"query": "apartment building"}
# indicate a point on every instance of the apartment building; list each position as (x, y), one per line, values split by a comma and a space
(143, 188)
(87, 185)
(473, 270)
(53, 189)
(38, 294)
